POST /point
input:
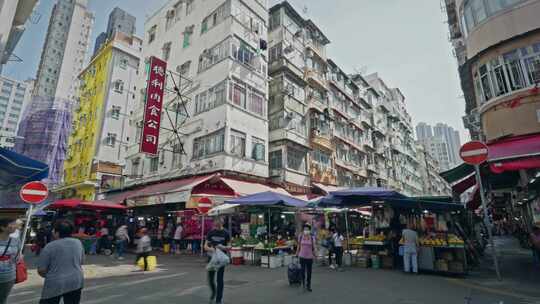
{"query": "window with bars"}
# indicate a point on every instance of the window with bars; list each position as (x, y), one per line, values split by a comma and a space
(209, 144)
(238, 143)
(154, 164)
(276, 159)
(258, 149)
(296, 159)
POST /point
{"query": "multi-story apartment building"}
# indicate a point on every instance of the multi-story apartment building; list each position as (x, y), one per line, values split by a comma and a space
(433, 183)
(451, 137)
(499, 65)
(119, 21)
(45, 127)
(391, 112)
(100, 131)
(14, 15)
(442, 141)
(14, 97)
(423, 131)
(216, 52)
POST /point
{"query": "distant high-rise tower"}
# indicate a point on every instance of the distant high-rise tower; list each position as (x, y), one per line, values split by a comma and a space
(423, 131)
(451, 137)
(45, 125)
(119, 21)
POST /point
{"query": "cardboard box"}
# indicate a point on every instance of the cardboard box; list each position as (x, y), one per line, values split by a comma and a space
(387, 262)
(456, 267)
(441, 265)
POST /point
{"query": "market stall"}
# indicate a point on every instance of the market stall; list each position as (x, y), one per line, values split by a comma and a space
(440, 249)
(267, 228)
(89, 217)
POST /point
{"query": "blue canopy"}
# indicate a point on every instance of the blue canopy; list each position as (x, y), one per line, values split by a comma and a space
(17, 169)
(268, 198)
(372, 193)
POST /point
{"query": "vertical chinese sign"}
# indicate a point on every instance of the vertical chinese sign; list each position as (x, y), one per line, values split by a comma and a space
(154, 103)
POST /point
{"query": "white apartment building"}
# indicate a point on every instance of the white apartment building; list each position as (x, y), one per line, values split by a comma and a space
(65, 50)
(219, 49)
(14, 97)
(438, 148)
(14, 15)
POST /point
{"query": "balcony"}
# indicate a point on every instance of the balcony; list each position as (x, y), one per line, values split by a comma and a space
(284, 63)
(317, 103)
(366, 119)
(315, 78)
(371, 167)
(317, 50)
(322, 174)
(321, 139)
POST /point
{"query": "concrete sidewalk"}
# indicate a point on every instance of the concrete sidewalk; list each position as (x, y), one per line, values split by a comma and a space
(102, 266)
(519, 274)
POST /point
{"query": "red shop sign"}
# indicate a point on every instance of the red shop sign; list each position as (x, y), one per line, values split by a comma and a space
(153, 106)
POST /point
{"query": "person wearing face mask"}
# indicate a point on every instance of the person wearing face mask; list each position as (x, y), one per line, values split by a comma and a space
(306, 253)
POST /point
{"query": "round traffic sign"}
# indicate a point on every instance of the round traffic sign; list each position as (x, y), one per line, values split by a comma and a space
(204, 205)
(474, 152)
(34, 192)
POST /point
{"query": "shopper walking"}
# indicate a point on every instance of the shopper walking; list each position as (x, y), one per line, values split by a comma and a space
(217, 238)
(535, 242)
(16, 227)
(122, 240)
(9, 248)
(60, 263)
(177, 238)
(337, 239)
(306, 254)
(410, 252)
(144, 248)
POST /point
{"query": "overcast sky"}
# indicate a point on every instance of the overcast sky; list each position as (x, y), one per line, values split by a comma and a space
(404, 41)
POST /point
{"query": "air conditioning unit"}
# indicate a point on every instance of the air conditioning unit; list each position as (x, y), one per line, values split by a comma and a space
(289, 116)
(309, 53)
(288, 49)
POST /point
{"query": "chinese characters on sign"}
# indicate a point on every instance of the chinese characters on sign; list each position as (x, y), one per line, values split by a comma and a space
(153, 106)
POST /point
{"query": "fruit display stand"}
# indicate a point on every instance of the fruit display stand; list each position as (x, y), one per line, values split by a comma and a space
(443, 255)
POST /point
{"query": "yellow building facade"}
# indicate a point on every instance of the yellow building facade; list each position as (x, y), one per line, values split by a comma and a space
(80, 177)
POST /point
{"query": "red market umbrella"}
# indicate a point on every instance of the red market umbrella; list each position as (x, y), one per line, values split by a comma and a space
(66, 203)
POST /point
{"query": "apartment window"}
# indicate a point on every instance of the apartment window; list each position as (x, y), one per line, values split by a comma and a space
(184, 68)
(178, 10)
(276, 160)
(166, 51)
(274, 20)
(209, 144)
(138, 131)
(190, 6)
(323, 158)
(238, 143)
(258, 149)
(296, 159)
(177, 155)
(187, 36)
(13, 115)
(238, 94)
(256, 103)
(211, 56)
(243, 53)
(118, 86)
(111, 139)
(169, 19)
(123, 63)
(211, 99)
(115, 112)
(154, 164)
(152, 34)
(497, 75)
(215, 17)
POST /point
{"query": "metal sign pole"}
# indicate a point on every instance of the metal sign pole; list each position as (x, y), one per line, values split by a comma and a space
(347, 228)
(487, 221)
(202, 236)
(26, 225)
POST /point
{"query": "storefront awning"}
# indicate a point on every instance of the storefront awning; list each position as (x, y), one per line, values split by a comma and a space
(514, 147)
(179, 185)
(268, 199)
(327, 189)
(515, 164)
(90, 205)
(464, 185)
(242, 188)
(457, 173)
(17, 169)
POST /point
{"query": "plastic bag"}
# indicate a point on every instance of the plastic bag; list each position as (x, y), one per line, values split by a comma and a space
(219, 259)
(151, 260)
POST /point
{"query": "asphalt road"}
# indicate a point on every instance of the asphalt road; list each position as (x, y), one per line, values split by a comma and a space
(183, 281)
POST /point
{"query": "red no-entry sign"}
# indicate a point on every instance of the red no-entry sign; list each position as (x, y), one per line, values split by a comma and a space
(34, 192)
(474, 152)
(204, 205)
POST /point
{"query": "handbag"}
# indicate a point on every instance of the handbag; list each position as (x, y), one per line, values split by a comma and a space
(21, 272)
